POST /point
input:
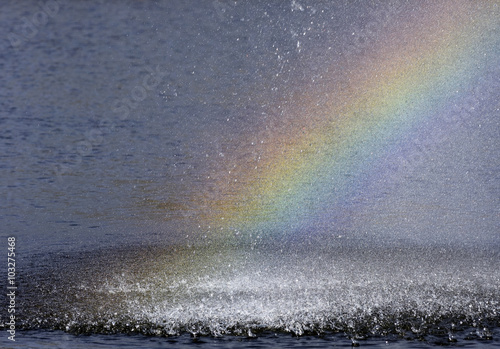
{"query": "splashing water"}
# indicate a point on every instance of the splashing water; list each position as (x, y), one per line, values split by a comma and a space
(412, 292)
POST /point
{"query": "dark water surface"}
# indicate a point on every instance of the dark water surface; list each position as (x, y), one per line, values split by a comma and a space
(116, 115)
(59, 339)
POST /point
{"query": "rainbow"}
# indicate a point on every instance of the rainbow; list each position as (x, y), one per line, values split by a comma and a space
(324, 144)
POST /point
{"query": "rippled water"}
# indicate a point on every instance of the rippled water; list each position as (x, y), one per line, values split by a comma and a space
(112, 115)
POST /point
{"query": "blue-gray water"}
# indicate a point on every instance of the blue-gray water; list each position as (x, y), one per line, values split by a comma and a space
(112, 112)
